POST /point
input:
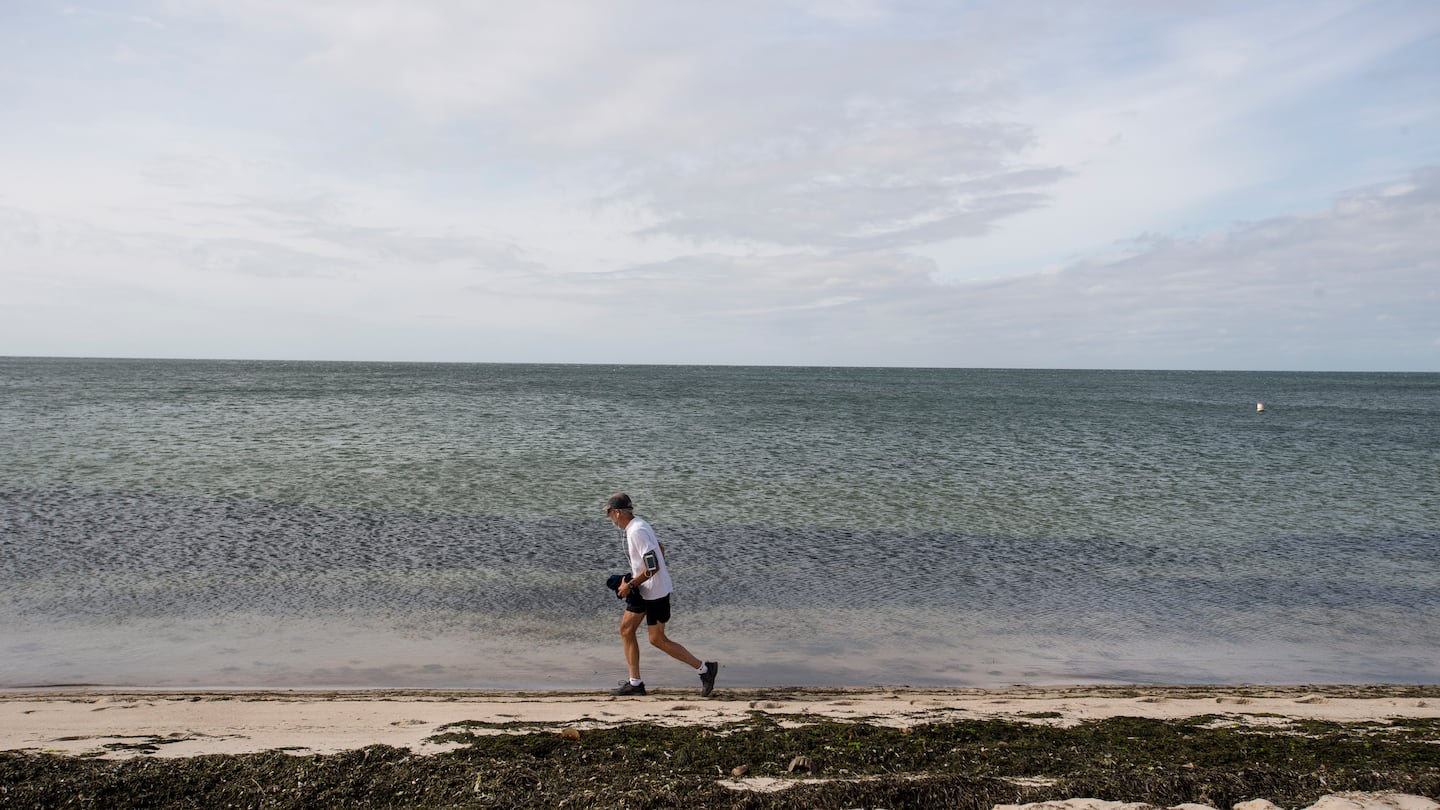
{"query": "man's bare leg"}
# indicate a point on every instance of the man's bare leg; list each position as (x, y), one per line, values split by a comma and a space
(629, 623)
(674, 649)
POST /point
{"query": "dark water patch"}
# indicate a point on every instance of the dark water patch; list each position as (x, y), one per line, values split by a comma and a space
(74, 553)
(64, 530)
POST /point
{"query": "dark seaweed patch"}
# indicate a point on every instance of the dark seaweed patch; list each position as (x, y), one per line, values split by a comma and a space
(967, 764)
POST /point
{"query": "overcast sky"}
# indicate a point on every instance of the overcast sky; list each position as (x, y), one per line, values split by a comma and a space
(1230, 185)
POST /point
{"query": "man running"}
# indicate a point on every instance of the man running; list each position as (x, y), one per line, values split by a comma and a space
(652, 577)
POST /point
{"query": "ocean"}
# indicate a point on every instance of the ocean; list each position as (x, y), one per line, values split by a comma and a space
(193, 524)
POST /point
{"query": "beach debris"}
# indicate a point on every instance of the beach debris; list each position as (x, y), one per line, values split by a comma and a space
(1236, 700)
(1312, 699)
(739, 771)
(568, 733)
(803, 764)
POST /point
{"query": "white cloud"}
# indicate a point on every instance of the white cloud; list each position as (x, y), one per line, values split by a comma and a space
(1291, 292)
(1190, 125)
(724, 134)
(868, 182)
(1355, 284)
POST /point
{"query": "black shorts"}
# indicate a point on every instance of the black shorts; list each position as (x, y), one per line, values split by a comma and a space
(657, 611)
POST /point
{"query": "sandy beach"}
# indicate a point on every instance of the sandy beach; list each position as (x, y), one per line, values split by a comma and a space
(1030, 748)
(179, 724)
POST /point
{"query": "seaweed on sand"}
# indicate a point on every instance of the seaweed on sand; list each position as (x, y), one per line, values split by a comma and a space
(967, 764)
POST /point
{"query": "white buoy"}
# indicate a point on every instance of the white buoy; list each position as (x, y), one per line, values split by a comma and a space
(1259, 407)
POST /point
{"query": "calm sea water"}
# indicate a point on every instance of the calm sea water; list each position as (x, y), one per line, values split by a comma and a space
(202, 523)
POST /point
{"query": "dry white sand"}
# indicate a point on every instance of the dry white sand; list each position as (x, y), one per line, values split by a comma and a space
(1334, 801)
(306, 722)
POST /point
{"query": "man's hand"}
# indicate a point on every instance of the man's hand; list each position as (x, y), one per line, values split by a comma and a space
(630, 584)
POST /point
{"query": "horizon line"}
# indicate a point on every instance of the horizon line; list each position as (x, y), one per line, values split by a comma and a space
(896, 367)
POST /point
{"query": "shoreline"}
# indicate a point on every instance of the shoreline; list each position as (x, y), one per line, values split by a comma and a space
(166, 723)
